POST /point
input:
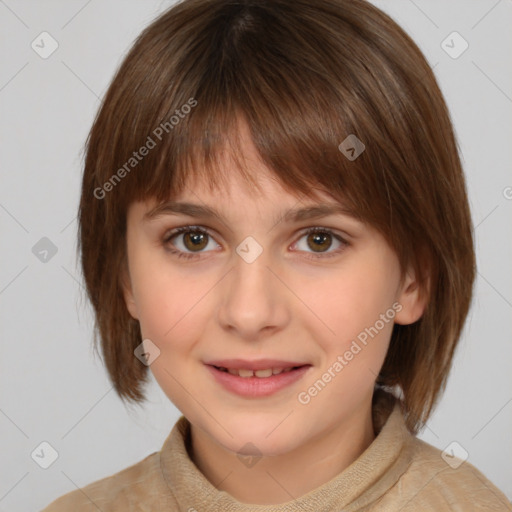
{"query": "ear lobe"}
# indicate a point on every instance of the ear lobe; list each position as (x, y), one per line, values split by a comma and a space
(130, 304)
(413, 299)
(128, 293)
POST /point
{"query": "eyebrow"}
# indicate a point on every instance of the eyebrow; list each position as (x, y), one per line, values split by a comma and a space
(202, 211)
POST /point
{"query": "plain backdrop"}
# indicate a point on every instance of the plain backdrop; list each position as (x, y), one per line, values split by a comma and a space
(53, 389)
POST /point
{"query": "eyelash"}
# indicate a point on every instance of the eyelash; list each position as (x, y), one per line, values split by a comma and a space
(198, 229)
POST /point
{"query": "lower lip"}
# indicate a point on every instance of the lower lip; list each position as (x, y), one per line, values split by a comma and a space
(257, 386)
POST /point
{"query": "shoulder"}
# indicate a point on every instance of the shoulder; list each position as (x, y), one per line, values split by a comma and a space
(438, 481)
(122, 490)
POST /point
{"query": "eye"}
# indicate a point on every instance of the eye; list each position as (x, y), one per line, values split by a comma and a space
(320, 240)
(190, 240)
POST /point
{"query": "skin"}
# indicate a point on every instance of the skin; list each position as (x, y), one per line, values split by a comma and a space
(284, 305)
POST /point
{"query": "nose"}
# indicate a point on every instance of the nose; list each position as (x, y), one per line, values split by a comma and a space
(253, 301)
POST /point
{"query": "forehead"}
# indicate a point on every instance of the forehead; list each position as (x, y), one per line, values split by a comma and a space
(234, 188)
(237, 176)
(289, 210)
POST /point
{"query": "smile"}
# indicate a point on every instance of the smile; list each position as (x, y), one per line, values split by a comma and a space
(257, 383)
(243, 372)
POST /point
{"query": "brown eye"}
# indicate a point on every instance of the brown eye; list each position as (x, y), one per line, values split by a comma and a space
(319, 241)
(316, 243)
(188, 241)
(195, 240)
(192, 242)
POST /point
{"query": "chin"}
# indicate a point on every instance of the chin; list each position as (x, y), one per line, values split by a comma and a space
(267, 434)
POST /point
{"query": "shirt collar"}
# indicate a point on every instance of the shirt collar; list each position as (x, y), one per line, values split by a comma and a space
(369, 477)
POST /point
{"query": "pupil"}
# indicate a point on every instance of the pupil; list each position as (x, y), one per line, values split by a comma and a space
(197, 240)
(319, 238)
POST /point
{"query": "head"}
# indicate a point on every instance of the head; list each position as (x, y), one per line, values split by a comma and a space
(245, 108)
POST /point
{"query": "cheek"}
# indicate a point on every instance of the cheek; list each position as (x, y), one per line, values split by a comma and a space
(158, 305)
(348, 299)
(169, 300)
(171, 314)
(356, 339)
(344, 312)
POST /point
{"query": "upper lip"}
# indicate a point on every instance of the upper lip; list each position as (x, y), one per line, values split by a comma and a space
(260, 364)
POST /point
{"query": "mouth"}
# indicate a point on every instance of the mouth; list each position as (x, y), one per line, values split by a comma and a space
(260, 374)
(257, 379)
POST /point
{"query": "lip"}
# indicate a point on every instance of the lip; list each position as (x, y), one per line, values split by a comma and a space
(256, 387)
(260, 364)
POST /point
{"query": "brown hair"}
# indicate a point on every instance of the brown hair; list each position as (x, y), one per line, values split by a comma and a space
(303, 75)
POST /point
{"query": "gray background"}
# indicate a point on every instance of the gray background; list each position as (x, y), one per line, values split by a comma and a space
(53, 389)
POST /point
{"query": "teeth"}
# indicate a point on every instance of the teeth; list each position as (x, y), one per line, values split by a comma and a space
(258, 373)
(263, 373)
(245, 373)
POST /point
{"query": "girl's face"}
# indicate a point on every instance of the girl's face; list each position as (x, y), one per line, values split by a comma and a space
(250, 283)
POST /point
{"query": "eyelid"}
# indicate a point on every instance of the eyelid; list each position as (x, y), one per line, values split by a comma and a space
(184, 229)
(342, 238)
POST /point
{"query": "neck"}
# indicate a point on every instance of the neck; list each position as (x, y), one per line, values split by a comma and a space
(273, 480)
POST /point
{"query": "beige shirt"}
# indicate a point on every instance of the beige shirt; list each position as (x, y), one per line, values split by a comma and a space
(397, 472)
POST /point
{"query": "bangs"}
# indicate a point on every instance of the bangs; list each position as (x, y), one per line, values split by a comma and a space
(210, 145)
(247, 67)
(293, 139)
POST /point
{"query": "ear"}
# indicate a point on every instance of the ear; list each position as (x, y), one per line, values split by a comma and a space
(413, 297)
(126, 286)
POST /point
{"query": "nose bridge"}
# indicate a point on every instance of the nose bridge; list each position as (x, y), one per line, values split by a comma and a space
(251, 299)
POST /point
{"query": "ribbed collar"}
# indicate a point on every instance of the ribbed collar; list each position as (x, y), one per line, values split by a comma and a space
(369, 477)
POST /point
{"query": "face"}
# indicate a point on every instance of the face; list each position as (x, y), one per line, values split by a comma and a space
(252, 284)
